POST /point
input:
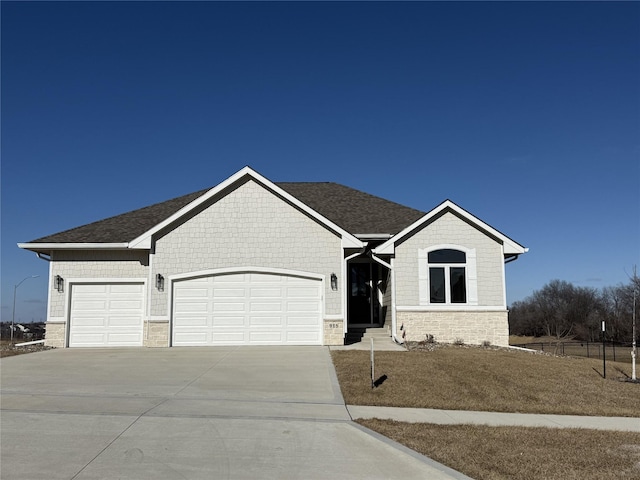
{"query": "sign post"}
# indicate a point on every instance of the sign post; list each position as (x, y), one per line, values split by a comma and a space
(373, 380)
(604, 346)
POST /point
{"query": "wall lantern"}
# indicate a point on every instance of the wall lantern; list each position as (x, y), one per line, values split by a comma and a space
(160, 282)
(334, 282)
(58, 283)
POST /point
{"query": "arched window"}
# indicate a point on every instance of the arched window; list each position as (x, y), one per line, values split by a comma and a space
(447, 276)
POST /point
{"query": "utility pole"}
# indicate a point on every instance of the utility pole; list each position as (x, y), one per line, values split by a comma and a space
(13, 315)
(633, 326)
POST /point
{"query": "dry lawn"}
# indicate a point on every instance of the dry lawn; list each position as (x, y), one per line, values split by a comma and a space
(488, 379)
(8, 350)
(492, 453)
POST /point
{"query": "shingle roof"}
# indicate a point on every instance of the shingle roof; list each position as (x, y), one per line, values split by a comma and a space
(123, 227)
(355, 211)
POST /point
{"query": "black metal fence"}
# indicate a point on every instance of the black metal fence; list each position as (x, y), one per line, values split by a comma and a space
(614, 351)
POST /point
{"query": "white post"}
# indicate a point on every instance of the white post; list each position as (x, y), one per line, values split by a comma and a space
(633, 328)
(373, 380)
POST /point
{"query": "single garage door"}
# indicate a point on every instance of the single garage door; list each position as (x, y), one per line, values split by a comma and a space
(247, 309)
(106, 315)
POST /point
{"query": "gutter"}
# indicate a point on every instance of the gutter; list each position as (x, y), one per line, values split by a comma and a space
(511, 258)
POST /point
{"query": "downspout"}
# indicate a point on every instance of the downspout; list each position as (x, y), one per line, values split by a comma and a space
(47, 258)
(150, 286)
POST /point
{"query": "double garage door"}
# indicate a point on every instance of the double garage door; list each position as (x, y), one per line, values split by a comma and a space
(247, 309)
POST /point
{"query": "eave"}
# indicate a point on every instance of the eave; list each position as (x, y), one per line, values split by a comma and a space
(48, 247)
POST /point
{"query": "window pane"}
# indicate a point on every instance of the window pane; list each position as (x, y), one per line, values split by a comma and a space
(436, 283)
(447, 255)
(458, 287)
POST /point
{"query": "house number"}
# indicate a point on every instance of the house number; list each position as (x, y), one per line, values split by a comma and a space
(334, 325)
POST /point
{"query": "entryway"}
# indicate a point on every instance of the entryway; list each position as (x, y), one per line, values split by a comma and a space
(367, 298)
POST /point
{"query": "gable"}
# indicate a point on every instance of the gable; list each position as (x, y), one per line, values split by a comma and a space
(248, 226)
(510, 247)
(449, 230)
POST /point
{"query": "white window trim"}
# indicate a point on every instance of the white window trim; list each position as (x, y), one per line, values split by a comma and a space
(471, 275)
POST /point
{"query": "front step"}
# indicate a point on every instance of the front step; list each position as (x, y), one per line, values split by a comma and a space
(356, 335)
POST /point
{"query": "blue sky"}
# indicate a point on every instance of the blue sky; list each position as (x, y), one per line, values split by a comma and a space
(525, 114)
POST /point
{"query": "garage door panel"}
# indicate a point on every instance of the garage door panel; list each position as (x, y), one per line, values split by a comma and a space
(269, 337)
(90, 288)
(123, 321)
(124, 339)
(194, 338)
(229, 307)
(134, 305)
(298, 321)
(265, 307)
(198, 320)
(89, 321)
(301, 292)
(90, 305)
(302, 307)
(228, 321)
(260, 308)
(263, 292)
(126, 288)
(192, 293)
(262, 321)
(192, 307)
(227, 338)
(229, 293)
(90, 340)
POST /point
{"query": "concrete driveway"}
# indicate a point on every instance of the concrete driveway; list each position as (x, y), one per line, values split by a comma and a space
(189, 413)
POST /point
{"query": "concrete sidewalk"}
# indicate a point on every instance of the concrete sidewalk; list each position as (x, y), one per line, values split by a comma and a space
(494, 419)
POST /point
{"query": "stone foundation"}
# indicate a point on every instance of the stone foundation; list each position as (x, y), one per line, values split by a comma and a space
(472, 328)
(55, 335)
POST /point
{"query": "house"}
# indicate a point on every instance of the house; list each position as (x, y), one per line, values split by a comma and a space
(252, 262)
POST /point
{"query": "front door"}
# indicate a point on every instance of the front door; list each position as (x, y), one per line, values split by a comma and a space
(363, 304)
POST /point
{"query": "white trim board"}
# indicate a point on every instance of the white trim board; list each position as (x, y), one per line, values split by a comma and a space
(451, 308)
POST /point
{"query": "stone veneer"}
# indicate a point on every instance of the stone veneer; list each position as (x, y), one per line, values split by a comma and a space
(333, 332)
(55, 335)
(452, 326)
(158, 336)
